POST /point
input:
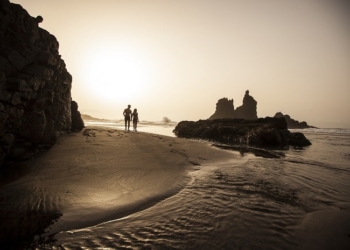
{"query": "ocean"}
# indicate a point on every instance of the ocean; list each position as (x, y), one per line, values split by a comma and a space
(252, 203)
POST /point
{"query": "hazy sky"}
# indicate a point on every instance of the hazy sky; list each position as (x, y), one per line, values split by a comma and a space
(176, 58)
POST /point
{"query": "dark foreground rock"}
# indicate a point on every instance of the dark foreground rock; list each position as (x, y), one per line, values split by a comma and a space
(264, 132)
(291, 123)
(35, 86)
(77, 120)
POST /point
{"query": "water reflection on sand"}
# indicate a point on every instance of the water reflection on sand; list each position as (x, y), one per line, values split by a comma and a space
(256, 203)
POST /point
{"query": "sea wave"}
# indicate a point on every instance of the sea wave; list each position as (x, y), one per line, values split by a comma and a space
(345, 131)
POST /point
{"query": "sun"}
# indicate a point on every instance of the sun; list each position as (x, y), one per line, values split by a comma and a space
(117, 74)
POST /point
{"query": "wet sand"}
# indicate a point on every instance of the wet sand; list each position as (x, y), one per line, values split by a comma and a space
(94, 176)
(326, 229)
(103, 174)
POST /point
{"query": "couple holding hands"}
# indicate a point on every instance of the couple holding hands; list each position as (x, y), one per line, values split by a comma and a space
(129, 115)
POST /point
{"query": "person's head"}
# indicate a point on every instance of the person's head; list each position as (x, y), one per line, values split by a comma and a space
(135, 110)
(129, 106)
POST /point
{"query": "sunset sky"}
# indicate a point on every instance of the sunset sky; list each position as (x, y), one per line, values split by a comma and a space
(176, 58)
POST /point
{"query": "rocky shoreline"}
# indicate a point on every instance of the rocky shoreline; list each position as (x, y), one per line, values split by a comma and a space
(263, 132)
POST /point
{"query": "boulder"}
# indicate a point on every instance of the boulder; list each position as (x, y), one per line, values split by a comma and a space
(291, 123)
(263, 132)
(77, 120)
(35, 86)
(298, 139)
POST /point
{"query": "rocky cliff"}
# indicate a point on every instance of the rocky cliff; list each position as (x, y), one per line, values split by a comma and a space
(225, 109)
(248, 108)
(35, 86)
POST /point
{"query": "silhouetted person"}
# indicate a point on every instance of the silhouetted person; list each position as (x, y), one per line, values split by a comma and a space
(135, 119)
(127, 114)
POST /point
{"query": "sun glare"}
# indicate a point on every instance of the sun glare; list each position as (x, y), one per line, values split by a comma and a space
(117, 74)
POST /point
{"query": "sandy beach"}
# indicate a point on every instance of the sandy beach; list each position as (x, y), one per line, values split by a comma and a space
(97, 175)
(92, 184)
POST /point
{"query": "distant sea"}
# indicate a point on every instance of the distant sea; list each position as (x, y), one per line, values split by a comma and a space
(149, 127)
(255, 203)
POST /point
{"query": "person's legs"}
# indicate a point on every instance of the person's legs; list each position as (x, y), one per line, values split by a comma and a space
(129, 124)
(125, 121)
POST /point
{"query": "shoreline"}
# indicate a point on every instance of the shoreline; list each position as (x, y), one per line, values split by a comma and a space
(97, 175)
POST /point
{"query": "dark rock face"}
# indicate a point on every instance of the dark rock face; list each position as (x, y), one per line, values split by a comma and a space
(298, 139)
(35, 86)
(264, 132)
(248, 109)
(291, 123)
(77, 121)
(225, 109)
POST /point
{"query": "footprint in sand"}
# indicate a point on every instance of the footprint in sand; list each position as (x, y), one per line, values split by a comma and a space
(160, 138)
(180, 153)
(193, 163)
(89, 133)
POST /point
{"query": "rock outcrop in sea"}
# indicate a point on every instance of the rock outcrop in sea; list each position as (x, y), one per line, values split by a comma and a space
(248, 110)
(263, 132)
(291, 123)
(225, 109)
(35, 86)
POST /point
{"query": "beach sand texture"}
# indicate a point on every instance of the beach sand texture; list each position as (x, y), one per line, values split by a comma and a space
(98, 175)
(102, 175)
